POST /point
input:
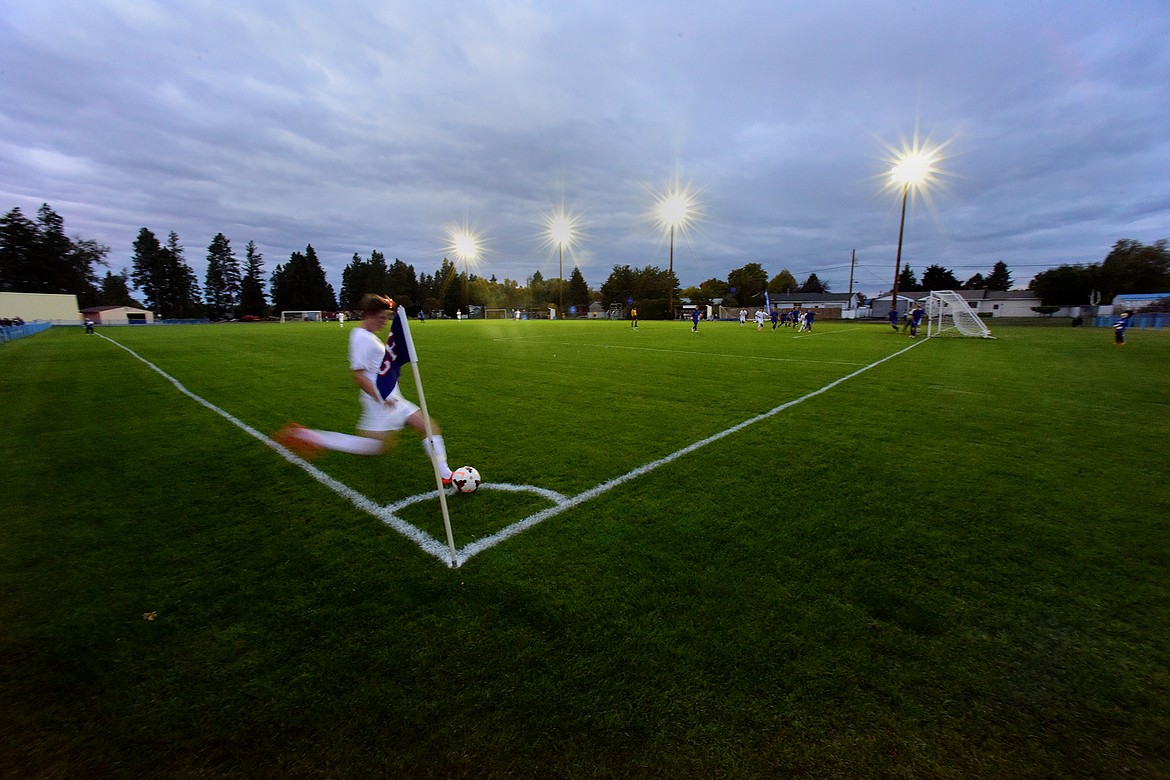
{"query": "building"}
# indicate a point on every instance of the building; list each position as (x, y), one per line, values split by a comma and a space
(118, 315)
(1138, 301)
(44, 307)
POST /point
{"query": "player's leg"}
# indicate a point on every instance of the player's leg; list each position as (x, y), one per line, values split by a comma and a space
(434, 446)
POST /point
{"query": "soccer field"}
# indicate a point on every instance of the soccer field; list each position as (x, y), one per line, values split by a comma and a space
(727, 553)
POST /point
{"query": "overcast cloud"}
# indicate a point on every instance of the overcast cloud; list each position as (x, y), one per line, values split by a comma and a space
(357, 126)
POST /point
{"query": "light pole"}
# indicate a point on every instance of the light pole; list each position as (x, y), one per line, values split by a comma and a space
(464, 244)
(911, 169)
(561, 230)
(675, 208)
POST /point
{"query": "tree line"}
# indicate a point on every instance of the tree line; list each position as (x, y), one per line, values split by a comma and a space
(37, 256)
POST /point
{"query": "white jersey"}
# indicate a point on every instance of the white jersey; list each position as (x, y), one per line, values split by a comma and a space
(367, 353)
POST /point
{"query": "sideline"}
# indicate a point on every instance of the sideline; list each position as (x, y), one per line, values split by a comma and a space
(561, 504)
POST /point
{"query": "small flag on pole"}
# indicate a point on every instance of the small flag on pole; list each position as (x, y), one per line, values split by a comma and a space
(767, 301)
(399, 352)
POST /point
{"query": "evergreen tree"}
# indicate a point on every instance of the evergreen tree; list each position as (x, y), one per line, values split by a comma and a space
(403, 284)
(813, 285)
(907, 281)
(577, 291)
(935, 277)
(976, 282)
(1001, 278)
(18, 237)
(147, 269)
(252, 298)
(364, 276)
(39, 257)
(115, 291)
(221, 287)
(301, 284)
(183, 295)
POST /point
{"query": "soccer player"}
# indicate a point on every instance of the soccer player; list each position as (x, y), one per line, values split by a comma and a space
(695, 320)
(893, 317)
(775, 315)
(634, 317)
(915, 320)
(1119, 328)
(381, 417)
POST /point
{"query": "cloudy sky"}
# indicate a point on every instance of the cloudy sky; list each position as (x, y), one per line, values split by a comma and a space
(360, 125)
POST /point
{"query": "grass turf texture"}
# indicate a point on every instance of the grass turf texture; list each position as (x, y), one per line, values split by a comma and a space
(952, 565)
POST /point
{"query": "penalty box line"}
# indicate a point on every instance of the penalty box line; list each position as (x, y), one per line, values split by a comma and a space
(492, 540)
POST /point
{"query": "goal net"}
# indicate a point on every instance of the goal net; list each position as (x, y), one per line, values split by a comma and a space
(495, 314)
(948, 314)
(300, 316)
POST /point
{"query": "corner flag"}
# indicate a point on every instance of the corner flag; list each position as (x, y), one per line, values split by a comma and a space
(399, 352)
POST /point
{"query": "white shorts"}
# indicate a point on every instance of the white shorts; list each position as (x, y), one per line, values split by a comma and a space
(384, 417)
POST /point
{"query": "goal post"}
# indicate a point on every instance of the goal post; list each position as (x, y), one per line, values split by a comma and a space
(948, 313)
(300, 316)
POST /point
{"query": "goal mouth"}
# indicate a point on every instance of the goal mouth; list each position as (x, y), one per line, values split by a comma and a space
(948, 314)
(300, 316)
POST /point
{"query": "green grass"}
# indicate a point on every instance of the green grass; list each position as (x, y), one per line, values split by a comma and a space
(952, 565)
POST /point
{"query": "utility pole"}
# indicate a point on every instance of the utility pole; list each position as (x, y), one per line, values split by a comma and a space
(852, 263)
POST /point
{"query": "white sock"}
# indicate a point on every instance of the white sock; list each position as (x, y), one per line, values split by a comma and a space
(436, 450)
(342, 442)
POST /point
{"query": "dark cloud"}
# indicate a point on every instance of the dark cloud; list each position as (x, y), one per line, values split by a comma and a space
(357, 126)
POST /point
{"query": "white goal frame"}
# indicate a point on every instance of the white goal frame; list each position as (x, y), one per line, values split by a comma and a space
(300, 316)
(947, 313)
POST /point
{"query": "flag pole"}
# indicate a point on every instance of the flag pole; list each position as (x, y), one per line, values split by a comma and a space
(422, 402)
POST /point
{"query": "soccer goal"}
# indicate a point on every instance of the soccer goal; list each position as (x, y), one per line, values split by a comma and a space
(495, 314)
(300, 316)
(948, 314)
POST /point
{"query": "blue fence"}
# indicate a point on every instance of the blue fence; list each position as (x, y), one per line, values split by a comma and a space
(1154, 321)
(13, 332)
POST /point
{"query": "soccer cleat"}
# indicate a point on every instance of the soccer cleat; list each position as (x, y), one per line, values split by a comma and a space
(289, 438)
(446, 481)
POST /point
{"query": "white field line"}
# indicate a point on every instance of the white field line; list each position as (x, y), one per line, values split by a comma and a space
(424, 540)
(561, 504)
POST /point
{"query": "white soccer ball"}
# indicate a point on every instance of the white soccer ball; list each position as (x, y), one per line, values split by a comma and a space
(466, 479)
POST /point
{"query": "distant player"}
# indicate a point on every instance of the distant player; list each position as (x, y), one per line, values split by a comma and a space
(695, 320)
(384, 410)
(742, 317)
(634, 317)
(775, 315)
(759, 320)
(1120, 327)
(893, 317)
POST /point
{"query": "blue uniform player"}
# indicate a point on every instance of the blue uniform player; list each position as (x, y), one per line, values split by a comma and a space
(1119, 328)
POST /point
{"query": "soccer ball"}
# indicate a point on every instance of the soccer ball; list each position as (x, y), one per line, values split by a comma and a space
(465, 479)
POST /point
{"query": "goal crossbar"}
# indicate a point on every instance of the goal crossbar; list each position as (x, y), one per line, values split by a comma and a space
(947, 311)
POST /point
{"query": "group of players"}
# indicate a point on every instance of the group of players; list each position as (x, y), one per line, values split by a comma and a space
(801, 319)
